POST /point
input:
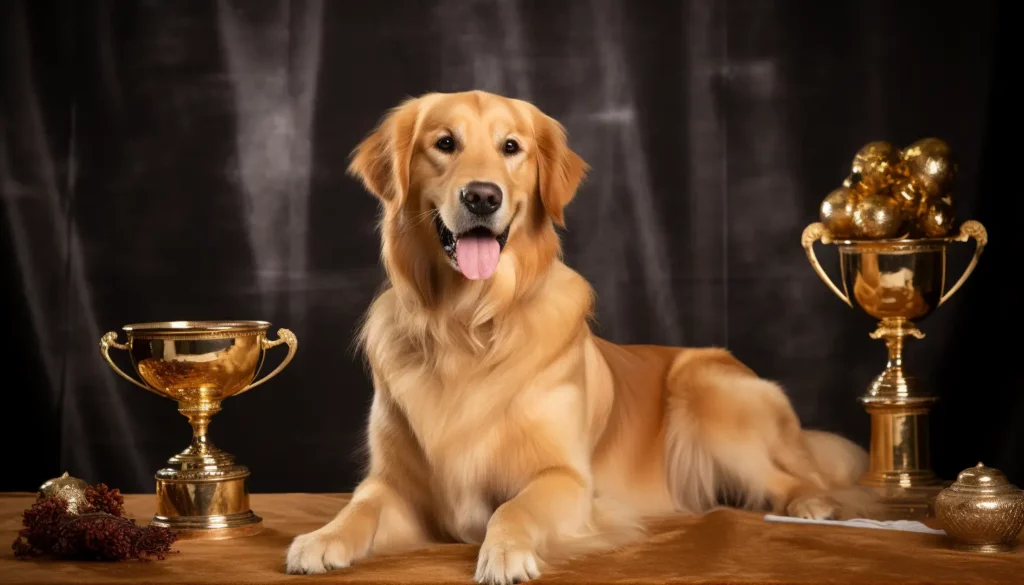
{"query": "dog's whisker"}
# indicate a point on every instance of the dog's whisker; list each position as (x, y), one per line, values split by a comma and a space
(415, 221)
(421, 217)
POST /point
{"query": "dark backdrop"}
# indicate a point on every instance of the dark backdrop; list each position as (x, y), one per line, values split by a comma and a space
(185, 160)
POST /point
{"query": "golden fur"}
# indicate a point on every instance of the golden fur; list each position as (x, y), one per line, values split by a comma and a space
(498, 417)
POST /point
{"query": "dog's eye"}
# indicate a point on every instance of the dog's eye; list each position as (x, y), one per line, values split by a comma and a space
(511, 147)
(445, 144)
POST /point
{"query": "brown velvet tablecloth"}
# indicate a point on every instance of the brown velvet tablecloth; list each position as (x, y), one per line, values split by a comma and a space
(723, 546)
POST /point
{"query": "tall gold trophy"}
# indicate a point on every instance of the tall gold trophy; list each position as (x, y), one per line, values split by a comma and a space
(202, 493)
(892, 223)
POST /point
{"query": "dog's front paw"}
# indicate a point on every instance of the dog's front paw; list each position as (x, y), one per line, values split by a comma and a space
(317, 552)
(812, 508)
(505, 562)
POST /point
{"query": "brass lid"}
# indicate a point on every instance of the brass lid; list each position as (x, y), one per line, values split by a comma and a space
(54, 487)
(981, 480)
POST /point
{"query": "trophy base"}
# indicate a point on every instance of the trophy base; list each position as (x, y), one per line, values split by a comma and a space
(211, 527)
(205, 504)
(899, 477)
(904, 503)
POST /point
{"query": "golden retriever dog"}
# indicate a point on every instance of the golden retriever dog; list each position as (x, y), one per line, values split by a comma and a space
(498, 417)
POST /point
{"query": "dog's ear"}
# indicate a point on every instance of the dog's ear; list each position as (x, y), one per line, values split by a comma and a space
(381, 161)
(560, 170)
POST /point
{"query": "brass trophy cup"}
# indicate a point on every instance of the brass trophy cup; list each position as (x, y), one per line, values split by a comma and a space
(202, 493)
(899, 282)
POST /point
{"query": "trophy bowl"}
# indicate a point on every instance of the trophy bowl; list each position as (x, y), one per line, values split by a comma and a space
(899, 282)
(202, 493)
(896, 279)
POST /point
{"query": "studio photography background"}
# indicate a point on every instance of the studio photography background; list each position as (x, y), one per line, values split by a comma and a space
(186, 160)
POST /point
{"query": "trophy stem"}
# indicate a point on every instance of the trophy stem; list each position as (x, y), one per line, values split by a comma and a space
(203, 493)
(199, 416)
(894, 343)
(201, 452)
(900, 467)
(894, 383)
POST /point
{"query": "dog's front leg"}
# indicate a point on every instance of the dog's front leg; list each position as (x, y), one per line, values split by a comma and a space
(556, 502)
(386, 511)
(377, 520)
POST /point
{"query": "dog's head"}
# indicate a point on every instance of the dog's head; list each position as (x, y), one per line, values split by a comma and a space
(469, 181)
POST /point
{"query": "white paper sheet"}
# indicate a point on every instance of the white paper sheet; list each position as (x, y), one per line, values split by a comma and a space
(904, 525)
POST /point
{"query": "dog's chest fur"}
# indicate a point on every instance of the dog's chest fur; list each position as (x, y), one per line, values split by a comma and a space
(465, 408)
(461, 425)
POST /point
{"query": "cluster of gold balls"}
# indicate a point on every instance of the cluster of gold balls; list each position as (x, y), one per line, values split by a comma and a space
(893, 193)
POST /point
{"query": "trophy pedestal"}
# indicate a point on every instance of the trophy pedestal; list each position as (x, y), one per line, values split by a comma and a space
(898, 503)
(204, 495)
(205, 509)
(899, 475)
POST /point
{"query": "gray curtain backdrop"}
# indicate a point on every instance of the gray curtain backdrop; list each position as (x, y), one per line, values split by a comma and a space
(185, 160)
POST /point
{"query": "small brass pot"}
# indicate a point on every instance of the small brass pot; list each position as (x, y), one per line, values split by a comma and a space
(982, 511)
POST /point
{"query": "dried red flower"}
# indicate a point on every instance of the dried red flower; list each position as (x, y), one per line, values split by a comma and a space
(98, 532)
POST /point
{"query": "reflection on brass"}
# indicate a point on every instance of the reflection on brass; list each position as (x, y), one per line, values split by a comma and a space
(982, 511)
(899, 283)
(203, 492)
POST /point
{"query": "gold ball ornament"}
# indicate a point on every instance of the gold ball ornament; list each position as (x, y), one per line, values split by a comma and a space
(936, 220)
(70, 489)
(876, 217)
(909, 196)
(929, 163)
(875, 163)
(836, 212)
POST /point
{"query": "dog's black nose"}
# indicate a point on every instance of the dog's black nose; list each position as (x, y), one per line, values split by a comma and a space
(481, 198)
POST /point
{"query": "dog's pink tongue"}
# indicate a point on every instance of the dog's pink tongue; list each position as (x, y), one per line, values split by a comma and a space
(477, 257)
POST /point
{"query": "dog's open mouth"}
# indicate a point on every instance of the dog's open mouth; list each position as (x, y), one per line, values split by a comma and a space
(476, 252)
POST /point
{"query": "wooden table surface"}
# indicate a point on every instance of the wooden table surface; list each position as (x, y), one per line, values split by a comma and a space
(722, 546)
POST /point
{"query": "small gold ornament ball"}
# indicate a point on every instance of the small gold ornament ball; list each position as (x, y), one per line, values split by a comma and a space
(877, 216)
(875, 163)
(837, 212)
(70, 489)
(936, 220)
(909, 196)
(929, 162)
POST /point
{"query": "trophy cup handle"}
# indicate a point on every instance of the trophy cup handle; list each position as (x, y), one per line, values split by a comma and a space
(283, 336)
(109, 340)
(968, 229)
(814, 233)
